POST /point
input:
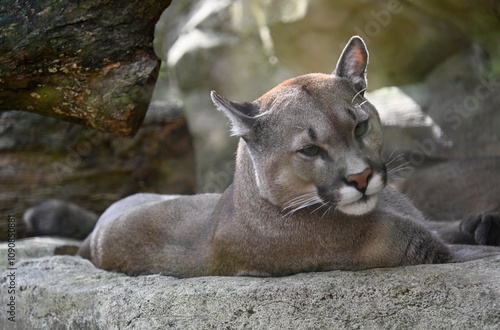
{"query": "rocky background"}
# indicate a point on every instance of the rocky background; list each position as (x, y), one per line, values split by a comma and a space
(433, 74)
(43, 157)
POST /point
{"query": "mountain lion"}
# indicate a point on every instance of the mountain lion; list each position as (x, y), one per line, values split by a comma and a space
(309, 194)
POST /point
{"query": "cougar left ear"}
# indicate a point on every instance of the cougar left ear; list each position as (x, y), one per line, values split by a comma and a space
(241, 115)
(352, 63)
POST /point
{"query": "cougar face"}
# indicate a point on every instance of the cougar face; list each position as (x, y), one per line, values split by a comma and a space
(320, 144)
(314, 140)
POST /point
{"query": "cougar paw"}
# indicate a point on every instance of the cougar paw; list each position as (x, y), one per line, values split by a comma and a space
(484, 228)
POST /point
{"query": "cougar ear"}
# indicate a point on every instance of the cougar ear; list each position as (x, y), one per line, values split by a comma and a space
(241, 115)
(352, 63)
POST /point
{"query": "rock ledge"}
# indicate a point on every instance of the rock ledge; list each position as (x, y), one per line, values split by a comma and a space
(63, 292)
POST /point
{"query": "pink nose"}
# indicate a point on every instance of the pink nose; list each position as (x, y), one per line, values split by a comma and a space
(360, 180)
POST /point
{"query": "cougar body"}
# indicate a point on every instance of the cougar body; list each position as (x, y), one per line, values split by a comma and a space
(309, 194)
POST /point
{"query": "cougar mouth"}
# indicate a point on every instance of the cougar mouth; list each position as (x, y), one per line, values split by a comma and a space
(363, 205)
(355, 202)
(347, 199)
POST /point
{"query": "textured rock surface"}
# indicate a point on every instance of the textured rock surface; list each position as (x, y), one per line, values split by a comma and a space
(80, 62)
(69, 293)
(46, 158)
(37, 247)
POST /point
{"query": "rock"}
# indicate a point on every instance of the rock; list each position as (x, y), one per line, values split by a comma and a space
(53, 159)
(80, 62)
(37, 247)
(448, 119)
(68, 292)
(404, 120)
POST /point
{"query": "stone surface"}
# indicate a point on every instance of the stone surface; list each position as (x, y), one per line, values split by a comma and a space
(46, 158)
(68, 292)
(37, 247)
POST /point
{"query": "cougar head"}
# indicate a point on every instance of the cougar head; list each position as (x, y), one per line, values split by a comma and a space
(314, 141)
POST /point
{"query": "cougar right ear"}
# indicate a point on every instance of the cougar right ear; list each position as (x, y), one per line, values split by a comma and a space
(352, 63)
(241, 115)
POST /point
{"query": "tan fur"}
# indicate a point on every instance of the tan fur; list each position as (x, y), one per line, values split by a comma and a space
(298, 201)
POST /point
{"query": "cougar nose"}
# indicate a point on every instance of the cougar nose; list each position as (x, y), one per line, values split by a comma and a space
(360, 180)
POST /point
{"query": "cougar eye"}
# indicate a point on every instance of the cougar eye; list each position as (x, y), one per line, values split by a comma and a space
(361, 128)
(310, 151)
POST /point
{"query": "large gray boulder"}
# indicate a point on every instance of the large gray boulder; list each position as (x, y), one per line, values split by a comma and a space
(64, 292)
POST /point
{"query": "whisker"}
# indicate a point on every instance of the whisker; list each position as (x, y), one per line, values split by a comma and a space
(396, 165)
(389, 164)
(362, 102)
(319, 207)
(392, 160)
(400, 173)
(303, 196)
(327, 210)
(357, 94)
(392, 153)
(399, 167)
(301, 202)
(402, 164)
(299, 208)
